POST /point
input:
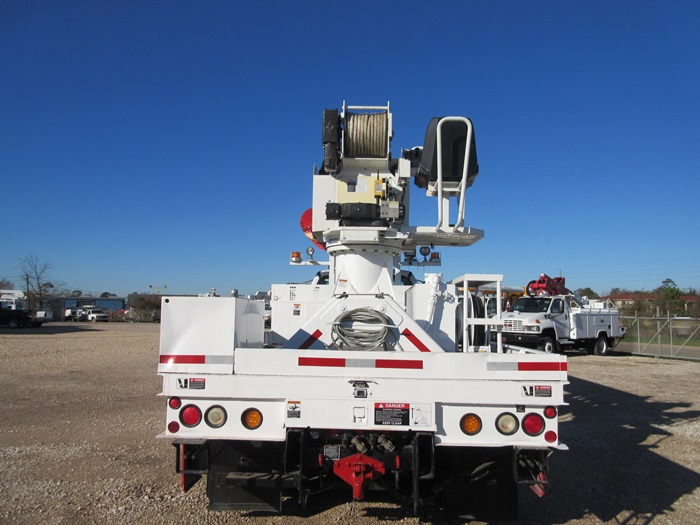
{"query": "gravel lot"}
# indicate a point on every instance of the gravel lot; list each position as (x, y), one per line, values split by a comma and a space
(79, 416)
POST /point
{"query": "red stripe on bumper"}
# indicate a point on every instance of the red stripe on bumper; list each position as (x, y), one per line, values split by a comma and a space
(322, 361)
(400, 363)
(182, 359)
(539, 367)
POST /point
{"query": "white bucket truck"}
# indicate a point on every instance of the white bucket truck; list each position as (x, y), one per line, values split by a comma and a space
(551, 318)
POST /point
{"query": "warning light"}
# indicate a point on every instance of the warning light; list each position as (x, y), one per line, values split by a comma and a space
(295, 258)
(435, 256)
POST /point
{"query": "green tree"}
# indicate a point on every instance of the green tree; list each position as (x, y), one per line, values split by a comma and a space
(587, 292)
(668, 298)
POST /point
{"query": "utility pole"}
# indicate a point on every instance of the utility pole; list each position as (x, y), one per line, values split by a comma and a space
(157, 288)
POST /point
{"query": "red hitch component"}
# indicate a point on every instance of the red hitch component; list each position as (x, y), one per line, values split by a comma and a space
(357, 471)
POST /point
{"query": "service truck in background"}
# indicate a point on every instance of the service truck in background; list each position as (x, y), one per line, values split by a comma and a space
(551, 318)
(14, 313)
(370, 376)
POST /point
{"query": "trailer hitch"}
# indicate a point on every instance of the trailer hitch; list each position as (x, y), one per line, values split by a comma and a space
(358, 471)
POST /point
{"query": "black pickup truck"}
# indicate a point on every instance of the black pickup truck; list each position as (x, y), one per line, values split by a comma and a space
(19, 318)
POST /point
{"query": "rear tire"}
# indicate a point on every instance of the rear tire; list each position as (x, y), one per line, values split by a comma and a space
(13, 323)
(602, 346)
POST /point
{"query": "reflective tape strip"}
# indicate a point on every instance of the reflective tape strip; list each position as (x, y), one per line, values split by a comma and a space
(416, 342)
(339, 362)
(196, 359)
(526, 366)
(311, 340)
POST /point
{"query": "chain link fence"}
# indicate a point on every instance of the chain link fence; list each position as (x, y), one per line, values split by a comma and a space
(677, 337)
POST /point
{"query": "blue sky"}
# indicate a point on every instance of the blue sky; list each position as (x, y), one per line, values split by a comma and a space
(172, 142)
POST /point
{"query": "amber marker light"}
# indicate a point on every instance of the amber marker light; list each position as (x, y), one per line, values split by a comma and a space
(252, 418)
(470, 424)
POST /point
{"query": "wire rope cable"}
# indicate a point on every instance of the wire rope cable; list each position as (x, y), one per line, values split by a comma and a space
(360, 329)
(366, 134)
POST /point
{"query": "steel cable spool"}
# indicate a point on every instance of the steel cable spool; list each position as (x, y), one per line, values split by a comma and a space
(360, 329)
(366, 135)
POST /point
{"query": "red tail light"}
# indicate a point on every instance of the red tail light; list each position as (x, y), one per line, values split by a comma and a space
(190, 416)
(550, 412)
(174, 403)
(533, 424)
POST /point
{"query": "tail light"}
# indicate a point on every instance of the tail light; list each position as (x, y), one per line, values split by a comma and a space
(470, 424)
(550, 412)
(252, 418)
(550, 436)
(190, 416)
(174, 403)
(533, 424)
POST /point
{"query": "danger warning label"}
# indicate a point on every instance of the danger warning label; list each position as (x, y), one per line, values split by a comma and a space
(391, 413)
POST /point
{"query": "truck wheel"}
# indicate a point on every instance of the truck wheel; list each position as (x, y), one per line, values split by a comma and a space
(602, 346)
(13, 323)
(549, 345)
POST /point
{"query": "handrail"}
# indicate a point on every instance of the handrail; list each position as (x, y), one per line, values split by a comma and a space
(465, 174)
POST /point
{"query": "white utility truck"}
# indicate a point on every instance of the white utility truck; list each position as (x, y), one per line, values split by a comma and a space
(86, 313)
(368, 378)
(551, 317)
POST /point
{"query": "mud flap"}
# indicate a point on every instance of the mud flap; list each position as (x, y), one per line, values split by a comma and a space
(191, 461)
(531, 468)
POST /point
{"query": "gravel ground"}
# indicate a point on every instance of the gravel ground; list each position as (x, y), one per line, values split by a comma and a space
(79, 415)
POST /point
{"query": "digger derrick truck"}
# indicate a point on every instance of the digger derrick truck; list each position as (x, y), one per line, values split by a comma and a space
(368, 378)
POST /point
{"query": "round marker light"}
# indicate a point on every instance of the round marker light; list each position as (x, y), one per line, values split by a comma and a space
(507, 424)
(470, 424)
(533, 424)
(550, 436)
(215, 416)
(173, 427)
(190, 416)
(550, 412)
(174, 403)
(252, 418)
